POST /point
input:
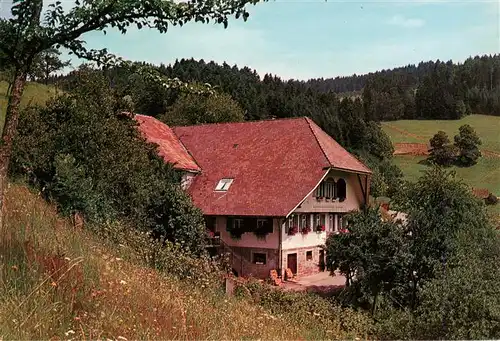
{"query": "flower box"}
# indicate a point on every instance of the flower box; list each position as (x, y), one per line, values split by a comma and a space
(293, 230)
(306, 230)
(320, 228)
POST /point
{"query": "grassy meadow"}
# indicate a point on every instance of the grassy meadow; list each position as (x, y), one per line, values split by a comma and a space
(58, 281)
(420, 131)
(485, 174)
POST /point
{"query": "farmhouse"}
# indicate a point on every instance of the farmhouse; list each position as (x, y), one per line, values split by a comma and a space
(271, 191)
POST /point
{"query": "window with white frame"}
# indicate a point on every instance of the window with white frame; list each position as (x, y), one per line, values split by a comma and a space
(223, 184)
(238, 223)
(342, 222)
(319, 219)
(304, 220)
(331, 222)
(326, 189)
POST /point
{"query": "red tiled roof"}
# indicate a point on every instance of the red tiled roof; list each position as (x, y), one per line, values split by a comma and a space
(275, 164)
(169, 146)
(335, 153)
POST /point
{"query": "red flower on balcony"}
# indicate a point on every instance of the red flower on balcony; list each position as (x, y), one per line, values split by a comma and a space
(344, 230)
(306, 230)
(321, 228)
(293, 230)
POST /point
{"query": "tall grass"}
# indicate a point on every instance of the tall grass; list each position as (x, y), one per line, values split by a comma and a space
(60, 281)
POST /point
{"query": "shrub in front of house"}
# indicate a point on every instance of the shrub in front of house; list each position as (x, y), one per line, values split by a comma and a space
(88, 158)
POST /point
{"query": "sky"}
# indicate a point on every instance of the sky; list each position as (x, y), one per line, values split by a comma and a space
(316, 38)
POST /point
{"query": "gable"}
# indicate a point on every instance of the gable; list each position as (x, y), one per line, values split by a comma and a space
(170, 147)
(274, 164)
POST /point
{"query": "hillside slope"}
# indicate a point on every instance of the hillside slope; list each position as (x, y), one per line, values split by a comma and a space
(34, 93)
(58, 280)
(486, 174)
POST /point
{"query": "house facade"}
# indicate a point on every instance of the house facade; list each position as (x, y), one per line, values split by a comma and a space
(271, 191)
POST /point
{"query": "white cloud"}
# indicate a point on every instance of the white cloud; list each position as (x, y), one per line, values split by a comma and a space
(401, 21)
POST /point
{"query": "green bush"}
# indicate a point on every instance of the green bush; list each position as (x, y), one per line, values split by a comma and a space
(491, 199)
(88, 158)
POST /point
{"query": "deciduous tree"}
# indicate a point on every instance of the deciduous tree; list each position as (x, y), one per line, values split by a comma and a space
(192, 109)
(467, 141)
(442, 152)
(28, 33)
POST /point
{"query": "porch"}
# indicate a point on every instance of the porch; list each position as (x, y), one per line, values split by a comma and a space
(321, 283)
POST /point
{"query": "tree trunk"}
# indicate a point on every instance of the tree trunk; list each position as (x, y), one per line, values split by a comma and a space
(9, 131)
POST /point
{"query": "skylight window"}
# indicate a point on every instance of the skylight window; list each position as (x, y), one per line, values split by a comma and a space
(223, 185)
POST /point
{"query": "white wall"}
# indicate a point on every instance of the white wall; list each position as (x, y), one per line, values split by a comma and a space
(187, 179)
(354, 196)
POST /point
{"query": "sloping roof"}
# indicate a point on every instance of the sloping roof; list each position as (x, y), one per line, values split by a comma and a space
(170, 147)
(275, 164)
(335, 153)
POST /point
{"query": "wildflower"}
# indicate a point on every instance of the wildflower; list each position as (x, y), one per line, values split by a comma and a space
(69, 332)
(14, 267)
(54, 284)
(77, 318)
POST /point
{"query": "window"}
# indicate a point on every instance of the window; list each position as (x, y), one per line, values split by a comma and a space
(238, 224)
(341, 189)
(265, 225)
(223, 185)
(309, 255)
(331, 218)
(326, 189)
(342, 222)
(210, 223)
(304, 220)
(319, 219)
(259, 258)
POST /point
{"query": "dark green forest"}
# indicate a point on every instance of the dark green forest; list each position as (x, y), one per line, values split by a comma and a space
(347, 108)
(429, 90)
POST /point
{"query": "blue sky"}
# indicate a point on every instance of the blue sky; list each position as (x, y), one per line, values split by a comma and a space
(305, 39)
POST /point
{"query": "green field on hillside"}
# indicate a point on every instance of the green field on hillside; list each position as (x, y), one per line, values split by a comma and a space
(420, 131)
(486, 174)
(34, 93)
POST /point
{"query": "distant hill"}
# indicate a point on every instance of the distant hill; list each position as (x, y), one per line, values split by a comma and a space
(484, 175)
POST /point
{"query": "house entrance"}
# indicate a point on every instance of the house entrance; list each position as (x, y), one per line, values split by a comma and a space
(291, 262)
(321, 262)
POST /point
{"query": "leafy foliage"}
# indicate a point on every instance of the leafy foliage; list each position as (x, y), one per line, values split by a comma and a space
(190, 109)
(467, 141)
(442, 152)
(46, 63)
(422, 269)
(90, 159)
(372, 252)
(464, 152)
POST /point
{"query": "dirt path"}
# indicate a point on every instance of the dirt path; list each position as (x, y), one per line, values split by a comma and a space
(405, 132)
